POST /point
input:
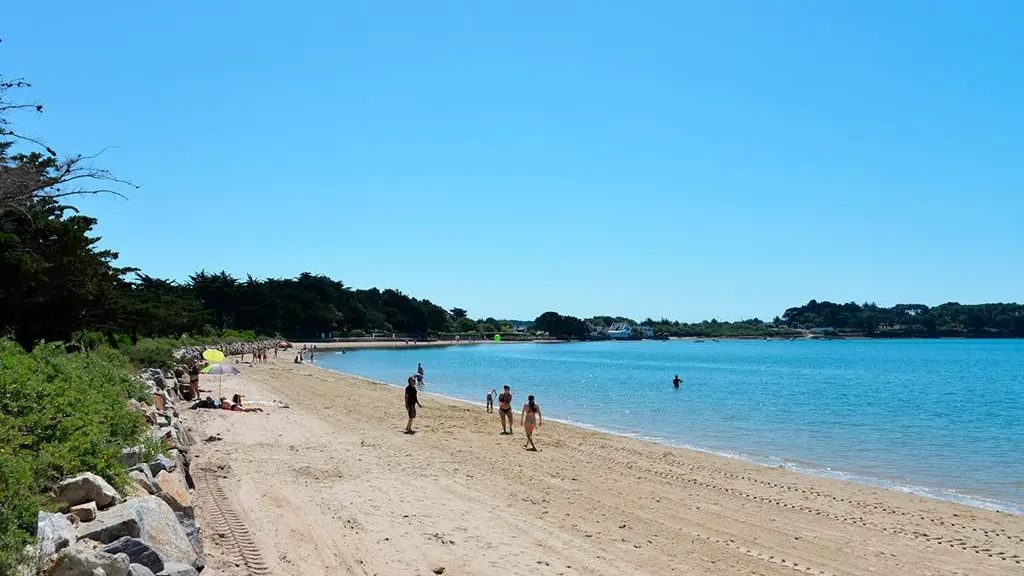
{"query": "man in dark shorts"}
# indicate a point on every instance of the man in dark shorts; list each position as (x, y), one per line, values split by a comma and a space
(505, 409)
(411, 402)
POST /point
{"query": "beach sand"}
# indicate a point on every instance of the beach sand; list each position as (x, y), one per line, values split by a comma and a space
(331, 485)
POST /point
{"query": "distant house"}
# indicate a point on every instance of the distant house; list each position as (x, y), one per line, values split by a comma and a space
(597, 330)
(620, 331)
(823, 330)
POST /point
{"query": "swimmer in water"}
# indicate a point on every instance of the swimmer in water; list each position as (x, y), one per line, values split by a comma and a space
(676, 381)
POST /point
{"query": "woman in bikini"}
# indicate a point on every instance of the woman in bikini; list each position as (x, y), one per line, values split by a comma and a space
(531, 418)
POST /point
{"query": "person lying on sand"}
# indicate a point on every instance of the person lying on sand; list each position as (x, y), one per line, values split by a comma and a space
(236, 407)
(531, 418)
(237, 401)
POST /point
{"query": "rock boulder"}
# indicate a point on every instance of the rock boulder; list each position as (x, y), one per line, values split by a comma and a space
(54, 533)
(161, 463)
(139, 570)
(83, 561)
(137, 551)
(86, 487)
(150, 520)
(173, 491)
(145, 481)
(178, 570)
(84, 512)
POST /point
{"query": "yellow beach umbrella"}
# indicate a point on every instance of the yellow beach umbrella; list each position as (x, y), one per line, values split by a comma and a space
(212, 355)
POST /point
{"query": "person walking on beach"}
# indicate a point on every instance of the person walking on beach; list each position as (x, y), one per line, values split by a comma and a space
(676, 381)
(411, 402)
(531, 419)
(490, 400)
(505, 409)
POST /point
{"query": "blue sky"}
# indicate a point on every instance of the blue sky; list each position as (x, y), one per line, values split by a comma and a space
(680, 159)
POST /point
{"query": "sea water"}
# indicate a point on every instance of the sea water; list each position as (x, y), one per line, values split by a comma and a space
(942, 418)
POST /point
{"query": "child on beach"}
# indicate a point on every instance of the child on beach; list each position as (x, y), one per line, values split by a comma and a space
(490, 400)
(531, 418)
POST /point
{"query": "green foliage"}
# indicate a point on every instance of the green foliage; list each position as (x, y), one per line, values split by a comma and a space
(152, 353)
(150, 447)
(911, 320)
(558, 326)
(55, 281)
(60, 414)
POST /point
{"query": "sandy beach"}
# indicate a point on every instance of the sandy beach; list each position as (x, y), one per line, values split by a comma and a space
(325, 482)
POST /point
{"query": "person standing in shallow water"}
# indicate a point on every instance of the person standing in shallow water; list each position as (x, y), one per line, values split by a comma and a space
(411, 402)
(505, 409)
(531, 419)
(676, 381)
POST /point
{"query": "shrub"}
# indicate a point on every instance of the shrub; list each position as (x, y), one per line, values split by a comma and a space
(60, 414)
(152, 353)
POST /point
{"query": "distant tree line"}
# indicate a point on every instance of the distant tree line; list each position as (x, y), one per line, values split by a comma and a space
(952, 319)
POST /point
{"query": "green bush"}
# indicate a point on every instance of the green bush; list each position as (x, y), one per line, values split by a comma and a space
(152, 353)
(60, 414)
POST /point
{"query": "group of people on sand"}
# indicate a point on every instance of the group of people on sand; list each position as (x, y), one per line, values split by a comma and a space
(530, 417)
(259, 356)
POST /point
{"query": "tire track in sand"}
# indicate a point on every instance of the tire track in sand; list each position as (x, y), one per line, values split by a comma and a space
(237, 538)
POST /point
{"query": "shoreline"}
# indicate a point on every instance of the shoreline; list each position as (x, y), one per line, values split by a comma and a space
(330, 485)
(763, 460)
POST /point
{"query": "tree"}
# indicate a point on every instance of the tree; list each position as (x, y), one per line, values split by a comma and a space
(54, 281)
(29, 169)
(559, 326)
(458, 313)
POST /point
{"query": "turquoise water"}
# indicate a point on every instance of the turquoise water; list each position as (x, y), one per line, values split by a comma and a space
(943, 418)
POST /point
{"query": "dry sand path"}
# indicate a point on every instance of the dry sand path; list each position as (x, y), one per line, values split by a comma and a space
(330, 485)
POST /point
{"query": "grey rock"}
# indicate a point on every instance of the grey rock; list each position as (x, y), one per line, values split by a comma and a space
(54, 533)
(149, 519)
(86, 487)
(192, 531)
(144, 481)
(160, 464)
(130, 456)
(84, 512)
(112, 524)
(137, 551)
(175, 569)
(83, 562)
(139, 570)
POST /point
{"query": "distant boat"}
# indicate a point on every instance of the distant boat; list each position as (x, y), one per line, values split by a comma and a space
(699, 341)
(714, 339)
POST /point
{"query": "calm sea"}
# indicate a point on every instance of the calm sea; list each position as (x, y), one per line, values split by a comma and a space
(943, 418)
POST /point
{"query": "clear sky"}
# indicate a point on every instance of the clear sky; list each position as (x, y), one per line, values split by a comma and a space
(679, 159)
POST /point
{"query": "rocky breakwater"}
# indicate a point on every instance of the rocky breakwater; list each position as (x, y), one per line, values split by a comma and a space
(147, 530)
(193, 354)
